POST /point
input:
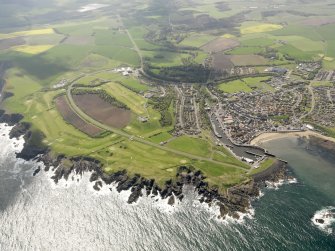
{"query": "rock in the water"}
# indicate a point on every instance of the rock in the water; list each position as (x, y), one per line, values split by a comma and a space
(37, 171)
(321, 221)
(171, 200)
(97, 185)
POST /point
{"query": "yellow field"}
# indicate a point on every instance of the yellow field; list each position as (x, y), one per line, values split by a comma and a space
(33, 49)
(259, 28)
(228, 36)
(328, 59)
(28, 33)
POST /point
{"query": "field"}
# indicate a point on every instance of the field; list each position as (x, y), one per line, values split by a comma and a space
(33, 49)
(246, 60)
(102, 111)
(322, 83)
(71, 117)
(191, 145)
(220, 44)
(28, 33)
(259, 28)
(160, 137)
(197, 40)
(221, 61)
(11, 42)
(124, 95)
(246, 85)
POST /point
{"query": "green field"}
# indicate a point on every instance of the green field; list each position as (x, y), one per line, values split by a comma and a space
(192, 145)
(246, 85)
(263, 166)
(197, 40)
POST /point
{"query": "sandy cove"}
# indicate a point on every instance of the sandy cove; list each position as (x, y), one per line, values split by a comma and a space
(264, 137)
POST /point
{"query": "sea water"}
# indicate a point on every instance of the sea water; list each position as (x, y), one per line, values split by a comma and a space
(36, 214)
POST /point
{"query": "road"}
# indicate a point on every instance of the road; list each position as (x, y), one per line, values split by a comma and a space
(92, 121)
(136, 48)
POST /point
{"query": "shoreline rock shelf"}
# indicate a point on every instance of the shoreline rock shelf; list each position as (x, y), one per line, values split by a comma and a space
(232, 201)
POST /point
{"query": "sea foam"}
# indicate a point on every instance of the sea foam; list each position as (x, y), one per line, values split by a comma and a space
(324, 219)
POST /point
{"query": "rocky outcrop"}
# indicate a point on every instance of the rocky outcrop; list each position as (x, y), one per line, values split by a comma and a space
(233, 200)
(320, 143)
(19, 130)
(236, 199)
(10, 119)
(33, 146)
(277, 171)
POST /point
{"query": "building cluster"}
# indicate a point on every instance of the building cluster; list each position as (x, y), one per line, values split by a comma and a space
(125, 71)
(60, 84)
(306, 69)
(323, 75)
(244, 115)
(187, 111)
(323, 113)
(239, 71)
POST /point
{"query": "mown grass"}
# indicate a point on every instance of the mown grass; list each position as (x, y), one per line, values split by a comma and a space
(191, 145)
(160, 137)
(263, 166)
(322, 83)
(246, 85)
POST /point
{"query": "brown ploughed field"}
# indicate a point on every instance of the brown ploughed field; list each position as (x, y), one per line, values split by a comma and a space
(102, 111)
(222, 62)
(72, 118)
(220, 44)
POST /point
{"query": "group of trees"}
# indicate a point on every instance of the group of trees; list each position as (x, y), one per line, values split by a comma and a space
(192, 73)
(162, 104)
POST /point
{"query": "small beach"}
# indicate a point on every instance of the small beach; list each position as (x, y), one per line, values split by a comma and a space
(265, 137)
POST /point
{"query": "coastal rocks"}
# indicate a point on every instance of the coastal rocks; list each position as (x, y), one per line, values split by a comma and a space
(36, 171)
(97, 186)
(231, 202)
(171, 200)
(10, 119)
(19, 130)
(321, 221)
(320, 143)
(276, 172)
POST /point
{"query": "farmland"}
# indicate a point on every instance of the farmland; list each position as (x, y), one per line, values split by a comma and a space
(71, 117)
(103, 111)
(245, 85)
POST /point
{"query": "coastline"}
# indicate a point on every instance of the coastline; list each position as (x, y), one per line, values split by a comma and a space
(231, 203)
(268, 136)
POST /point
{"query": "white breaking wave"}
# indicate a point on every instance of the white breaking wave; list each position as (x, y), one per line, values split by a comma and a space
(324, 219)
(279, 183)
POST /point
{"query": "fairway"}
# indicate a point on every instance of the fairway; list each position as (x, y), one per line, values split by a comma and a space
(127, 97)
(191, 145)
